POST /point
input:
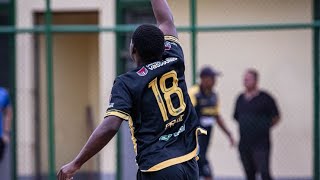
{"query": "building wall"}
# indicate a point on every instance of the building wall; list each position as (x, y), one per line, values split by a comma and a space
(284, 59)
(91, 80)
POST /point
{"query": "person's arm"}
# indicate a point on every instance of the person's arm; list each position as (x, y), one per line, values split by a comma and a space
(164, 17)
(224, 128)
(275, 120)
(274, 112)
(98, 139)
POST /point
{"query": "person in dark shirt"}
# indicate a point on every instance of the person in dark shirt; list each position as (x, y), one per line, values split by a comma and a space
(256, 113)
(206, 102)
(153, 98)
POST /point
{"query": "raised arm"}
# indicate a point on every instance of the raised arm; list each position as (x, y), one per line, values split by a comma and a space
(164, 17)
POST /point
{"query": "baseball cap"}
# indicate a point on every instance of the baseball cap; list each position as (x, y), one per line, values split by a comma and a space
(208, 71)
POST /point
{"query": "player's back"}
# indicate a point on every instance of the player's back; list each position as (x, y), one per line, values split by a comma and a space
(162, 120)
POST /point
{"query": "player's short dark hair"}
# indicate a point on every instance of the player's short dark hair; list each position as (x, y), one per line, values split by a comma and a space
(149, 42)
(254, 73)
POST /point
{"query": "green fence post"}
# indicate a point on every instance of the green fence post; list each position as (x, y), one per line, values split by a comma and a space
(193, 18)
(13, 92)
(50, 105)
(316, 70)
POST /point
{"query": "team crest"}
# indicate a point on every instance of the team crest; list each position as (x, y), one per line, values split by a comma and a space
(143, 71)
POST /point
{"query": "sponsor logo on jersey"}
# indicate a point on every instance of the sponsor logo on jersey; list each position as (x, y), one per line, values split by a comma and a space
(158, 64)
(111, 105)
(143, 71)
(167, 45)
(176, 134)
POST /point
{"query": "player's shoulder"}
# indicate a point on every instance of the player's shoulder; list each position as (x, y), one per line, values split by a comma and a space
(173, 48)
(265, 94)
(172, 39)
(135, 74)
(195, 89)
(133, 78)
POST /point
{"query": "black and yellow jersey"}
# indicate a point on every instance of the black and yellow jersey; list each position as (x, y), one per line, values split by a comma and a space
(206, 105)
(154, 100)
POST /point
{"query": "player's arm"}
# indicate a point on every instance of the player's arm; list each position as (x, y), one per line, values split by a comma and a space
(164, 17)
(275, 114)
(98, 139)
(224, 128)
(275, 120)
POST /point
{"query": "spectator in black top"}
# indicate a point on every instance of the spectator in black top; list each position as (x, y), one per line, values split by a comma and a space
(256, 112)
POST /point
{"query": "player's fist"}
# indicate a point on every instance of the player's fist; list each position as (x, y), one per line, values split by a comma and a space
(67, 171)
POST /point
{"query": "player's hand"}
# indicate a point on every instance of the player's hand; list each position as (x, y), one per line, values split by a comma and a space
(67, 171)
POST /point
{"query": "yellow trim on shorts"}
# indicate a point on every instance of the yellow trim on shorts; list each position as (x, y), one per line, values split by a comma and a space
(180, 159)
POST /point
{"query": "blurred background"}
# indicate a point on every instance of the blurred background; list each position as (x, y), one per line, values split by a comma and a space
(59, 58)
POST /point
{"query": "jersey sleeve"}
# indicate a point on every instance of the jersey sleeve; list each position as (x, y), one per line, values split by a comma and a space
(120, 104)
(172, 48)
(273, 108)
(236, 109)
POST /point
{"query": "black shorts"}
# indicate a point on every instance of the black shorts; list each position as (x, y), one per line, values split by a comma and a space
(2, 148)
(185, 171)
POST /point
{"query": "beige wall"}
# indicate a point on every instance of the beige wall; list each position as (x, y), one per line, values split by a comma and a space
(284, 59)
(93, 75)
(74, 73)
(76, 87)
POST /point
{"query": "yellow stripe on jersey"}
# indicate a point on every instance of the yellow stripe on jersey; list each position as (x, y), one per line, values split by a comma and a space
(114, 112)
(133, 139)
(180, 159)
(125, 116)
(172, 38)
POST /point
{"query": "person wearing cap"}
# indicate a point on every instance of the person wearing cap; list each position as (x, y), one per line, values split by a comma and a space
(206, 103)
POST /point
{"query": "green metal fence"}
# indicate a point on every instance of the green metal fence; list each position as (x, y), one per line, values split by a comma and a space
(48, 29)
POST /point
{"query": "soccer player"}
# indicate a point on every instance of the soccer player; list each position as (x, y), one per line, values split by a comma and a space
(206, 103)
(154, 100)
